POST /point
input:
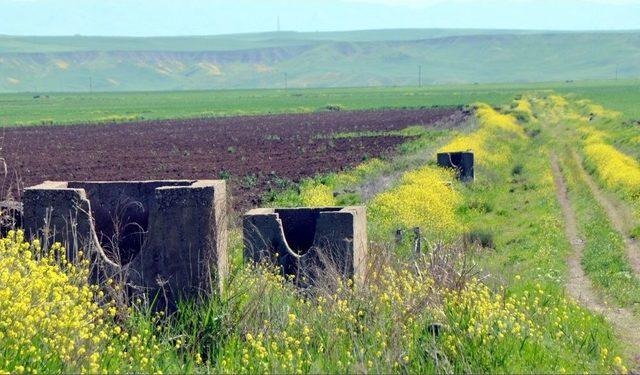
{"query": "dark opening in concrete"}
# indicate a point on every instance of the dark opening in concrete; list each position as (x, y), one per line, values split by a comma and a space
(462, 162)
(308, 243)
(299, 226)
(120, 211)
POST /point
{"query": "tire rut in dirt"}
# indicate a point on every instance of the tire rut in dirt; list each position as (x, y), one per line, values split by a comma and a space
(619, 215)
(579, 286)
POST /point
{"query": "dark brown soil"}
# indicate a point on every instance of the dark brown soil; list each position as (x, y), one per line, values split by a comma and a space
(256, 153)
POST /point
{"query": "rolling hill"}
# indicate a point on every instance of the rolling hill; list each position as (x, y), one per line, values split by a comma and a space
(325, 59)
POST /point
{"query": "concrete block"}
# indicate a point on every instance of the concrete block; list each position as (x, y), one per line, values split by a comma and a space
(186, 250)
(55, 212)
(308, 243)
(462, 162)
(169, 238)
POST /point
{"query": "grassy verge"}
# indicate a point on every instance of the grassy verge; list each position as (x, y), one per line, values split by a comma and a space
(514, 209)
(359, 184)
(604, 260)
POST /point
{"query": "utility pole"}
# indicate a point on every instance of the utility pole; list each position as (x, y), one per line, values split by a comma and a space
(616, 72)
(286, 81)
(90, 85)
(419, 75)
(278, 28)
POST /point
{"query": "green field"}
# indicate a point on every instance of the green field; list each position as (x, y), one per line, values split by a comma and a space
(64, 108)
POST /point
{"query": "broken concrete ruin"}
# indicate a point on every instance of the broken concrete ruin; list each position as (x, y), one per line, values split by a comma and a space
(462, 162)
(165, 236)
(308, 243)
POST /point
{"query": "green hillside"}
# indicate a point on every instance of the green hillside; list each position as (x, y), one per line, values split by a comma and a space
(336, 59)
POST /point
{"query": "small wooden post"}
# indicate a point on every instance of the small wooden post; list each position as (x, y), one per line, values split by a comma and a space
(417, 244)
(399, 235)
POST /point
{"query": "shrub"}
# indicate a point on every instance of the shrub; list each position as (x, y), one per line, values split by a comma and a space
(617, 170)
(313, 194)
(521, 108)
(481, 237)
(53, 321)
(425, 198)
(49, 320)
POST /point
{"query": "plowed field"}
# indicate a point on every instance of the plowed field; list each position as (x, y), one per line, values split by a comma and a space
(256, 153)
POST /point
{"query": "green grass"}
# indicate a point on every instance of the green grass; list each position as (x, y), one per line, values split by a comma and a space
(104, 107)
(512, 206)
(604, 260)
(622, 130)
(59, 108)
(622, 96)
(522, 220)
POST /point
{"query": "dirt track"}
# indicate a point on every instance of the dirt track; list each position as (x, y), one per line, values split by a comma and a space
(619, 215)
(579, 285)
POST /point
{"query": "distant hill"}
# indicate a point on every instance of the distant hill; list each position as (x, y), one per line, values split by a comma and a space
(324, 59)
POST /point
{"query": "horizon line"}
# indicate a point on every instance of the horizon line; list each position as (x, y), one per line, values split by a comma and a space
(534, 30)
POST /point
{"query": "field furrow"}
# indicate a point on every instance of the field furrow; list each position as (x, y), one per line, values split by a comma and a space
(256, 153)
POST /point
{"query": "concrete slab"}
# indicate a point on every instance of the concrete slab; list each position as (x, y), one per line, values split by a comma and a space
(169, 237)
(308, 243)
(462, 162)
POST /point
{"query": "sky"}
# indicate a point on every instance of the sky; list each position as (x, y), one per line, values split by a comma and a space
(210, 17)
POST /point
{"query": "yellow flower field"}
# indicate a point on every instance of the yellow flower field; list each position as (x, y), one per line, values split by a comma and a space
(47, 310)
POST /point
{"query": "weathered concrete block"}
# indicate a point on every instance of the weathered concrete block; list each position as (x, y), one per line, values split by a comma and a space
(462, 162)
(55, 212)
(308, 243)
(166, 236)
(186, 248)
